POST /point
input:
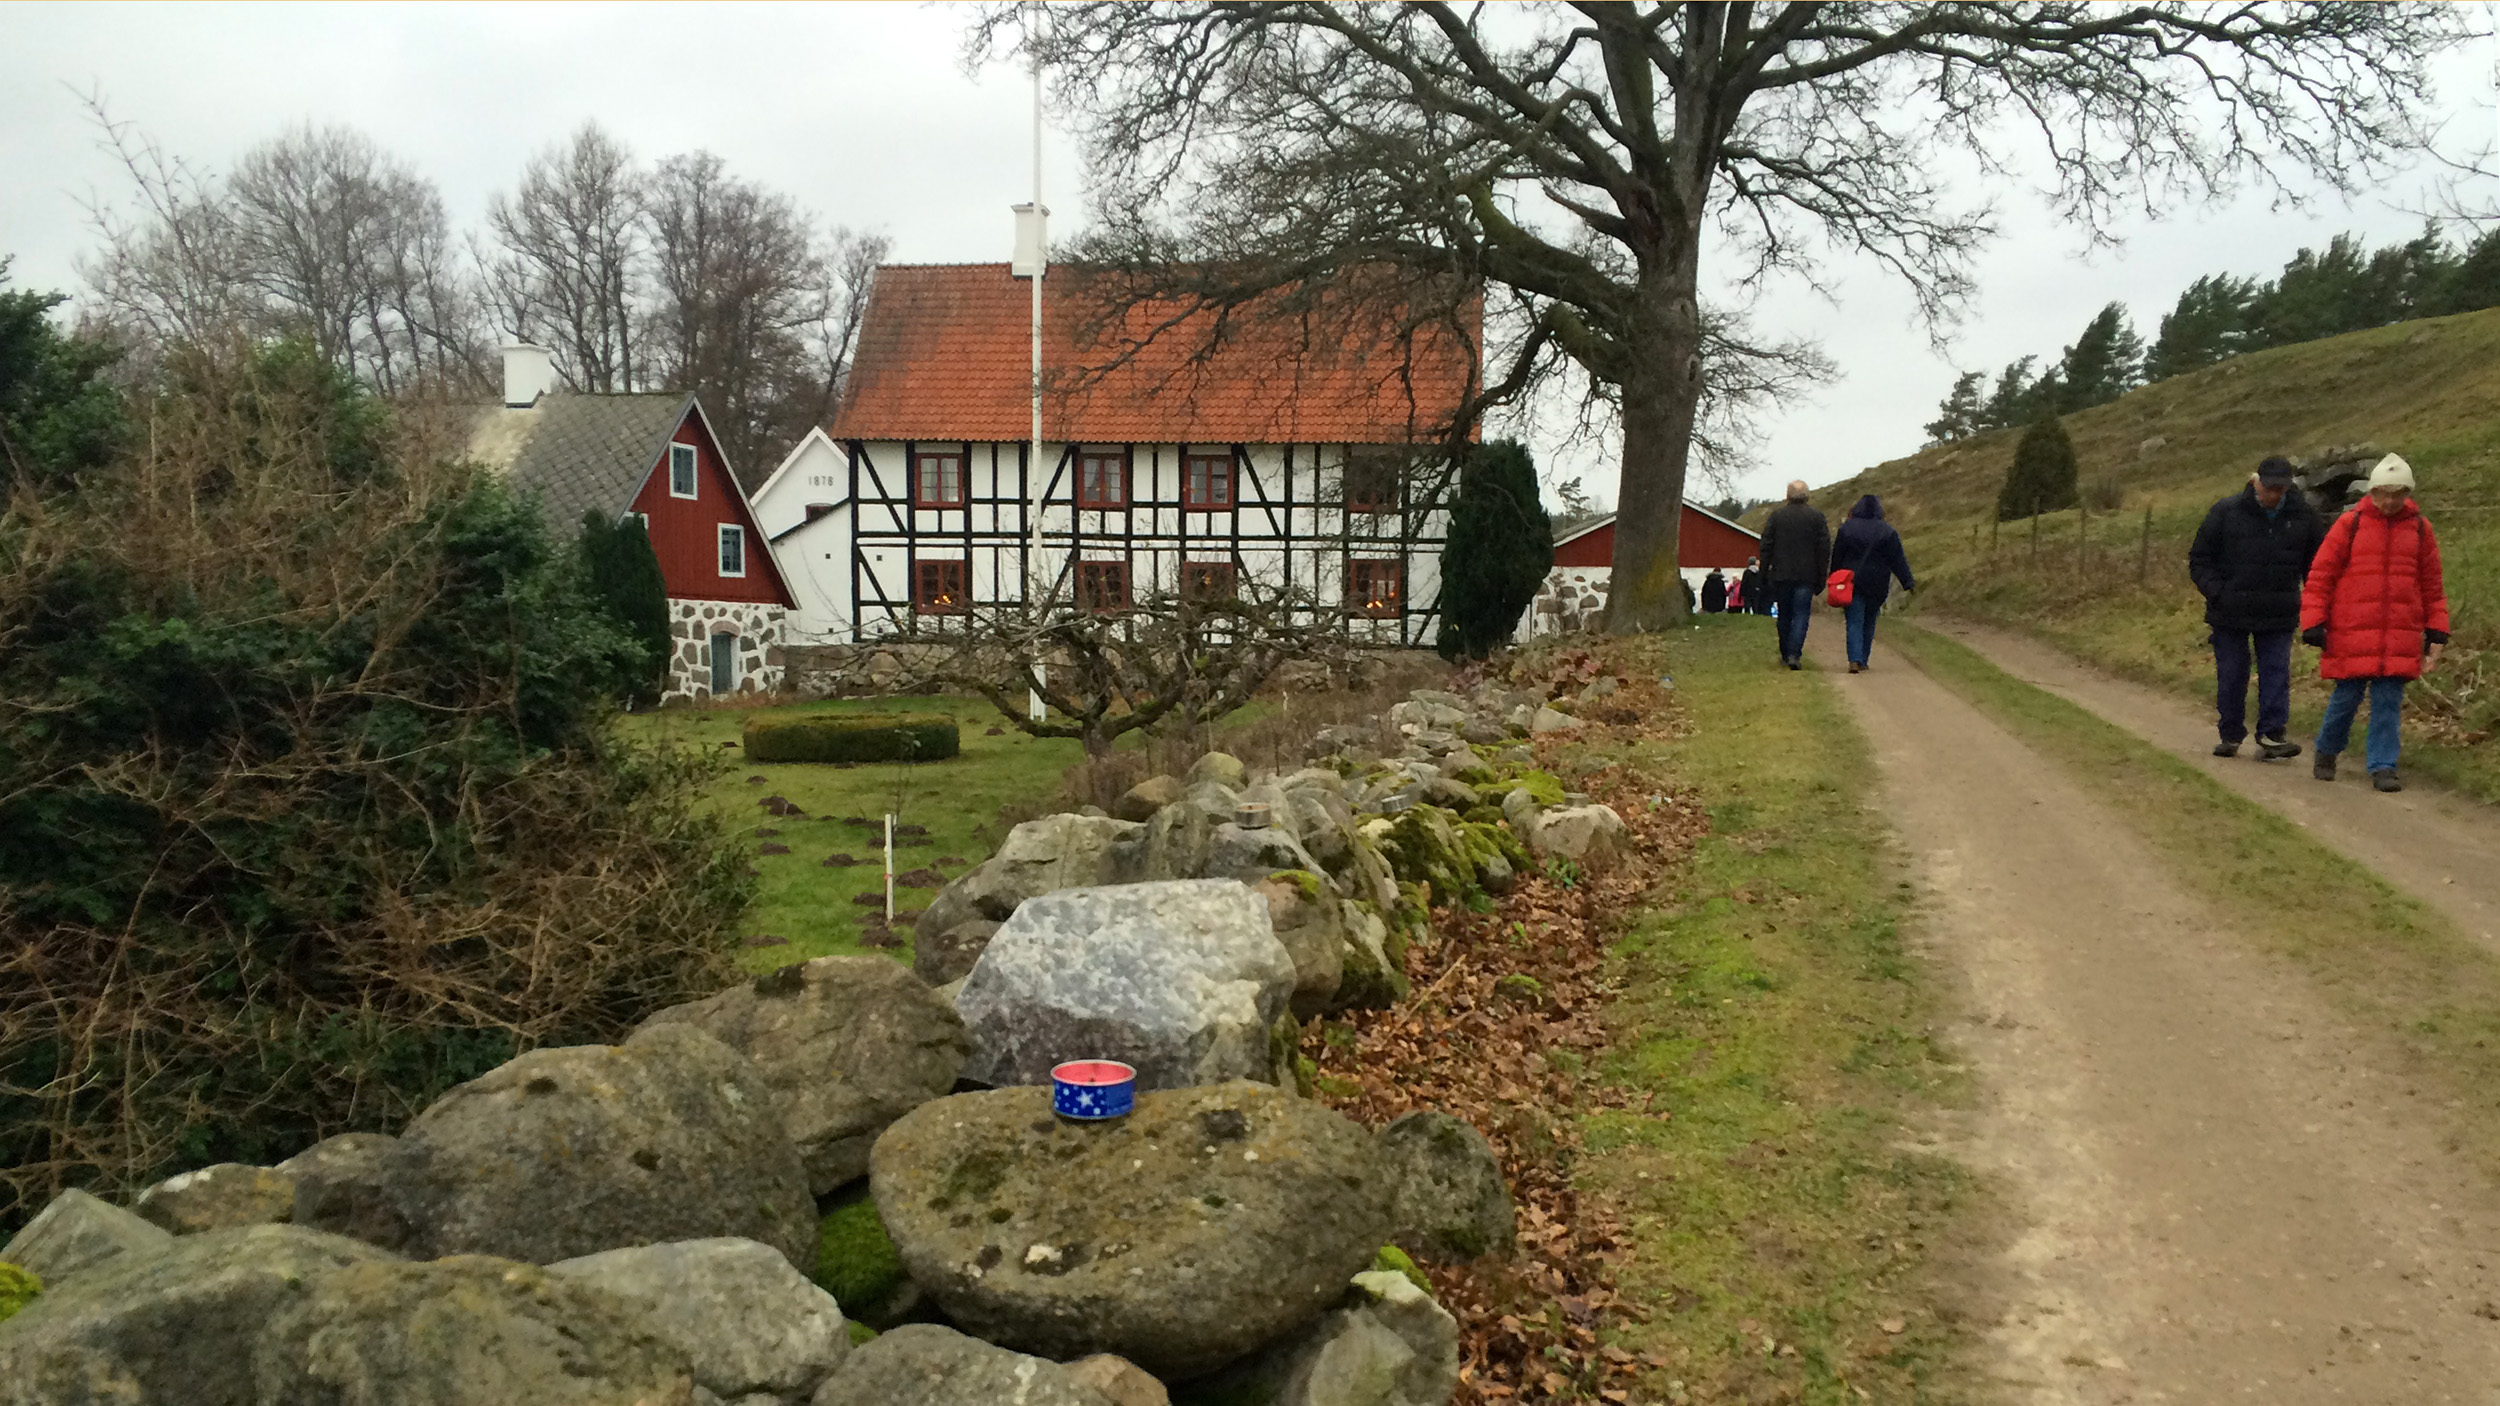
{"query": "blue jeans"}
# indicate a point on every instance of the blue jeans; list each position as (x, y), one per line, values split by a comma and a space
(1795, 600)
(1861, 613)
(2272, 653)
(2387, 701)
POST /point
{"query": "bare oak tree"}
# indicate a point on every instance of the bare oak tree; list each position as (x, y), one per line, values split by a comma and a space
(1579, 159)
(563, 264)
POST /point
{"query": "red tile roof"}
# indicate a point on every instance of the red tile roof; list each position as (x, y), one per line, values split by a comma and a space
(945, 352)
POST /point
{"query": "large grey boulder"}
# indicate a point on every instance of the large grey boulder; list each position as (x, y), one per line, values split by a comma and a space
(1388, 1344)
(281, 1314)
(353, 1185)
(77, 1232)
(922, 1364)
(847, 1045)
(1221, 768)
(744, 1321)
(1309, 920)
(1248, 855)
(1449, 1200)
(217, 1198)
(1197, 1229)
(939, 958)
(1182, 980)
(1591, 836)
(1040, 856)
(1178, 842)
(566, 1152)
(1546, 720)
(331, 1151)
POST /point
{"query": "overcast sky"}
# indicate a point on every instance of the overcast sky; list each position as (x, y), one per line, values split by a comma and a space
(864, 113)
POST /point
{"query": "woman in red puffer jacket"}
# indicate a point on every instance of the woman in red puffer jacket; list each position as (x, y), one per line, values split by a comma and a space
(2374, 603)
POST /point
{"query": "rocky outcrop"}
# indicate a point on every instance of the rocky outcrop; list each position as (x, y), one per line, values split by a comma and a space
(76, 1233)
(1192, 1232)
(846, 1044)
(922, 1364)
(1448, 1198)
(218, 1198)
(1182, 980)
(566, 1152)
(745, 1322)
(280, 1313)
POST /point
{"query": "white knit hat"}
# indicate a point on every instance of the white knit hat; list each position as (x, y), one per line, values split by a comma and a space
(2392, 472)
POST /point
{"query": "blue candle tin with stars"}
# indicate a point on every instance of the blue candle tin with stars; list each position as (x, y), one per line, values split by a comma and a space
(1093, 1089)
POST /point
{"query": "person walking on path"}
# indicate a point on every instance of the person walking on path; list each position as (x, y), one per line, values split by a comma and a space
(1868, 549)
(2376, 607)
(2248, 560)
(1796, 553)
(1714, 593)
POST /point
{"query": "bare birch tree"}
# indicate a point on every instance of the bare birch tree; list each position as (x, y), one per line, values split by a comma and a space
(1579, 159)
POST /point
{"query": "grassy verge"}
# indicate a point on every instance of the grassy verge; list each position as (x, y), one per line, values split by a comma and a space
(2391, 965)
(1783, 1238)
(810, 904)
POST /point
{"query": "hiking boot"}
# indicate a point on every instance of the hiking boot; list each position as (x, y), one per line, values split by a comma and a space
(1795, 665)
(2275, 749)
(1857, 668)
(2226, 749)
(2324, 767)
(2386, 780)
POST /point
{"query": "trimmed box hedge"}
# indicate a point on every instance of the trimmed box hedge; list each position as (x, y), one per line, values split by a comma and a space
(836, 737)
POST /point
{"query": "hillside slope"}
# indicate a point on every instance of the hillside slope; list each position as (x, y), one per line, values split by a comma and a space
(2110, 583)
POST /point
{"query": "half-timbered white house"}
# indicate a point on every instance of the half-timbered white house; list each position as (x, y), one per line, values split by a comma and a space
(1173, 462)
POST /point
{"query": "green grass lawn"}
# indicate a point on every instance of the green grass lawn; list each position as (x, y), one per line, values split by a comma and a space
(810, 904)
(1784, 1231)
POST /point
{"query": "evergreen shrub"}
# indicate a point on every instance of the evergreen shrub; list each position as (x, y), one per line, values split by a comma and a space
(2042, 477)
(835, 737)
(623, 575)
(1500, 546)
(309, 802)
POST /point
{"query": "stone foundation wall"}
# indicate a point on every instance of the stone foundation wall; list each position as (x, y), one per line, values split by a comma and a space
(1572, 599)
(761, 630)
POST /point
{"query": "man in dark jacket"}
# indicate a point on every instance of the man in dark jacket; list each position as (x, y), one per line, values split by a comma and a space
(1796, 555)
(2248, 560)
(1752, 589)
(1714, 592)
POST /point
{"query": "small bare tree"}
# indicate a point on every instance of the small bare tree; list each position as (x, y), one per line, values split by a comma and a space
(1182, 660)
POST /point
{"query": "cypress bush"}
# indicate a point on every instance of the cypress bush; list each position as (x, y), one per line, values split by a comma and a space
(2042, 477)
(309, 803)
(624, 577)
(836, 737)
(1500, 546)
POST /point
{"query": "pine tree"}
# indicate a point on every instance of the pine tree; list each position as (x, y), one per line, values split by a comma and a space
(2102, 364)
(1501, 544)
(2208, 324)
(2042, 477)
(2010, 402)
(2473, 281)
(1961, 414)
(2315, 296)
(624, 578)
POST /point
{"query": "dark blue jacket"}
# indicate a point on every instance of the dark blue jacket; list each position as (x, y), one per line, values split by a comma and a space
(1869, 547)
(2249, 566)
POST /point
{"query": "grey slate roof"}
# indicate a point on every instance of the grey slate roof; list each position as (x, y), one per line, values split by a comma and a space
(579, 452)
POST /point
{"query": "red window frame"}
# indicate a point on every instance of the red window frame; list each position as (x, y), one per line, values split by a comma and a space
(1203, 489)
(1375, 587)
(941, 586)
(1102, 478)
(921, 462)
(1365, 478)
(1208, 580)
(1102, 585)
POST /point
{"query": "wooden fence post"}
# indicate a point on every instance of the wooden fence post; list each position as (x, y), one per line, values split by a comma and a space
(2083, 538)
(2144, 553)
(2035, 541)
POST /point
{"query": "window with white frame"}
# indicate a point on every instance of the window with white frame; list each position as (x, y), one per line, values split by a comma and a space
(681, 471)
(733, 550)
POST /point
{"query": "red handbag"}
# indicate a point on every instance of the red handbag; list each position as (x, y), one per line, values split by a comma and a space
(1842, 588)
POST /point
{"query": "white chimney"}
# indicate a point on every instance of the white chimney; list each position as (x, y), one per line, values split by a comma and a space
(528, 373)
(1032, 240)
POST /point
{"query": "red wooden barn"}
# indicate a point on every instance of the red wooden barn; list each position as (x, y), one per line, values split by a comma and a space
(654, 456)
(1575, 590)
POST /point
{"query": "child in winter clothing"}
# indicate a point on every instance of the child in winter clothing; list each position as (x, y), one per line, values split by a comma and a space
(2375, 605)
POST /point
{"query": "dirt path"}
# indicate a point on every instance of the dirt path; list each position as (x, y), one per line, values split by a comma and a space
(2220, 1198)
(2441, 848)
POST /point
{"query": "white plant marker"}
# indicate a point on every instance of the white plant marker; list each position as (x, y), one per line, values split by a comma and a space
(889, 866)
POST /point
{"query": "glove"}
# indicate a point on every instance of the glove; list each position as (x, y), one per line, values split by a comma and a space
(2314, 637)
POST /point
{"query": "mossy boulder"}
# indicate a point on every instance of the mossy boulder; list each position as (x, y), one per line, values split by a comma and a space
(1373, 976)
(18, 1288)
(1424, 846)
(1199, 1228)
(1451, 1202)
